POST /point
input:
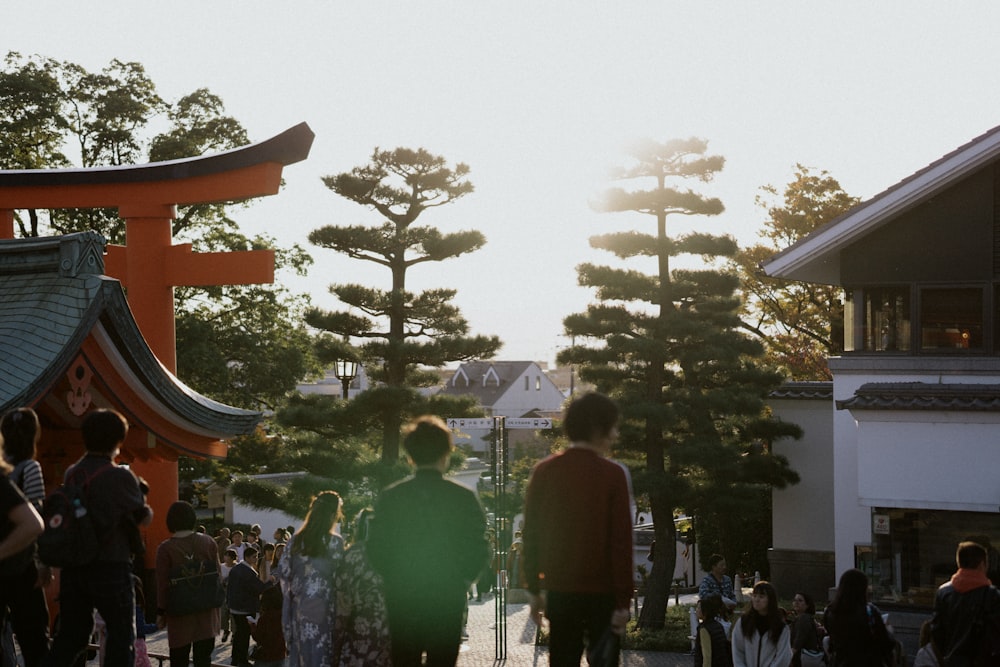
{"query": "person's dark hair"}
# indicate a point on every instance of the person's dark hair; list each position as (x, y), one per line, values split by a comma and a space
(850, 599)
(20, 431)
(970, 555)
(714, 560)
(232, 554)
(103, 430)
(427, 439)
(270, 598)
(250, 550)
(592, 415)
(810, 603)
(775, 623)
(711, 606)
(181, 516)
(313, 538)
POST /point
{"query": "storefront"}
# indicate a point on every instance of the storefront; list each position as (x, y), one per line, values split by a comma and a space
(913, 551)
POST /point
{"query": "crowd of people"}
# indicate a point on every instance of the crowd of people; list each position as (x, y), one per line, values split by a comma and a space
(963, 631)
(396, 594)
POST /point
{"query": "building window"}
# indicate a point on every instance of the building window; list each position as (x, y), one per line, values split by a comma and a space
(951, 318)
(527, 380)
(887, 319)
(538, 383)
(913, 552)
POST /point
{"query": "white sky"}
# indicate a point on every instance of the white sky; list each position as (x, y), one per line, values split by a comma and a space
(539, 97)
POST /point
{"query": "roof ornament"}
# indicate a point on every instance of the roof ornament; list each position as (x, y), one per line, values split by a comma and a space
(70, 255)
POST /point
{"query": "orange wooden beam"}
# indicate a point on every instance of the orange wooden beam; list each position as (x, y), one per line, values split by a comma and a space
(257, 180)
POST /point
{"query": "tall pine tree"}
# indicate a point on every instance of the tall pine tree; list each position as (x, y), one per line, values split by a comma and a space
(399, 332)
(667, 346)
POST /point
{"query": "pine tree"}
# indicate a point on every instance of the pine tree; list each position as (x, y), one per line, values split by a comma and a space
(399, 331)
(668, 347)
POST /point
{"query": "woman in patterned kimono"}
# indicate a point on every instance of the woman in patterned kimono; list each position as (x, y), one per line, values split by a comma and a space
(361, 632)
(306, 574)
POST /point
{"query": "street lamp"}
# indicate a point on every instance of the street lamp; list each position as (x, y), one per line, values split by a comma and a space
(346, 370)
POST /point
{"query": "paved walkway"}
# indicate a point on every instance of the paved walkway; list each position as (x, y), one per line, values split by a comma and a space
(481, 647)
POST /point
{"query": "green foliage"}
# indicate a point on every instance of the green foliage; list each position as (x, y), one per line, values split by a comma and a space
(672, 637)
(670, 349)
(392, 331)
(802, 324)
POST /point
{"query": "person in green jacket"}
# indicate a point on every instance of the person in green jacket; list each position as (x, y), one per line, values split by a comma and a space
(428, 542)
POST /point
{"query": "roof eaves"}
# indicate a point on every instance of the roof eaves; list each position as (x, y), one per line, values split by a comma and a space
(797, 262)
(955, 397)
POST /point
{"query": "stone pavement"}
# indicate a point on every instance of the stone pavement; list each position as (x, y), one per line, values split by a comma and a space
(481, 647)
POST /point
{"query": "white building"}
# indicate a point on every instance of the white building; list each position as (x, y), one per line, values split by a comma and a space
(916, 394)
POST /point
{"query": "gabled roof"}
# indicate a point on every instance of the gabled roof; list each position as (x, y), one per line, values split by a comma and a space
(816, 258)
(486, 380)
(55, 302)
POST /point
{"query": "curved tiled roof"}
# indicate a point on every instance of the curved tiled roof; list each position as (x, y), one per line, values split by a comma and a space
(924, 396)
(804, 391)
(52, 296)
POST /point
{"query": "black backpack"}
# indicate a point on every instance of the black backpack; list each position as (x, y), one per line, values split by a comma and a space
(70, 538)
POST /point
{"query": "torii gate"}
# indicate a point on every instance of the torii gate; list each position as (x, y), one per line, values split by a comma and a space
(149, 265)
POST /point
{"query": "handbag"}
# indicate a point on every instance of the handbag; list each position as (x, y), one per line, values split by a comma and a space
(194, 586)
(604, 653)
(811, 658)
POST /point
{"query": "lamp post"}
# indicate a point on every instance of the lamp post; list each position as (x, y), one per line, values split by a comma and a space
(346, 371)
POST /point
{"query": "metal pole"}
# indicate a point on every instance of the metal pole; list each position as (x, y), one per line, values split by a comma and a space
(500, 473)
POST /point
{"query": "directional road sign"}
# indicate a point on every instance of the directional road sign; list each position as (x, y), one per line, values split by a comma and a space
(531, 422)
(469, 422)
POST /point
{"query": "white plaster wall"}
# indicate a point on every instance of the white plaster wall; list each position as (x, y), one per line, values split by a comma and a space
(910, 458)
(933, 463)
(852, 524)
(803, 512)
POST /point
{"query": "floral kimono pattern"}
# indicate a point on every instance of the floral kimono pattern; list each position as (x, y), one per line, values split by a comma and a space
(361, 634)
(307, 615)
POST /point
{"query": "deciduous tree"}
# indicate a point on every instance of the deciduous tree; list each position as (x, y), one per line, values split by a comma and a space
(801, 324)
(242, 344)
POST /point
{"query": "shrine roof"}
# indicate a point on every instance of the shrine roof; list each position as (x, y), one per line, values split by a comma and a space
(53, 296)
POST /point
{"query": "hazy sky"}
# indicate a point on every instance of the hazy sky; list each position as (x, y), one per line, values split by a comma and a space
(539, 98)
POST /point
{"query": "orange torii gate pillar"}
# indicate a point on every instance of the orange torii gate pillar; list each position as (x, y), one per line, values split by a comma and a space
(149, 265)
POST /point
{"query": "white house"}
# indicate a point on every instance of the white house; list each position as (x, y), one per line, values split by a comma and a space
(916, 443)
(505, 389)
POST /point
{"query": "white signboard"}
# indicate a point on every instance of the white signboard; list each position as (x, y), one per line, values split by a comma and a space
(880, 524)
(469, 422)
(533, 423)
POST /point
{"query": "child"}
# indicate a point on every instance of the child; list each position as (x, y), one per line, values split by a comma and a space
(142, 628)
(267, 630)
(228, 561)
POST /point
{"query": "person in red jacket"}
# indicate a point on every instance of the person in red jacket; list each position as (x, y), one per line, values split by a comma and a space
(578, 534)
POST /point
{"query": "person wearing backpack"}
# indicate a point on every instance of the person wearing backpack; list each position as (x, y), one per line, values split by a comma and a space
(966, 609)
(115, 503)
(23, 604)
(20, 525)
